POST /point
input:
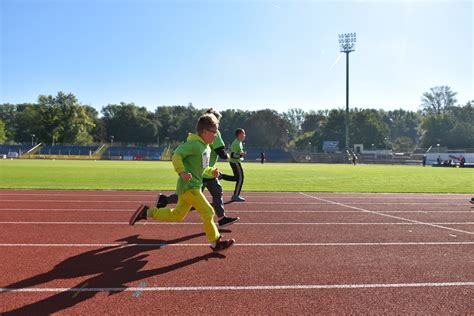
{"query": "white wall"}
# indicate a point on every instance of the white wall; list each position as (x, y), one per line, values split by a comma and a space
(431, 158)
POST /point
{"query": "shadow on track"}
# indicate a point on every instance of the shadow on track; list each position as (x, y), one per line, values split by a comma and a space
(112, 267)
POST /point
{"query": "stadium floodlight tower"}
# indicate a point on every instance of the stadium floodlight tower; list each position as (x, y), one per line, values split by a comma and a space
(347, 42)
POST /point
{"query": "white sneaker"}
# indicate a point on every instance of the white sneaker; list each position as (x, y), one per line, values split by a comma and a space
(237, 198)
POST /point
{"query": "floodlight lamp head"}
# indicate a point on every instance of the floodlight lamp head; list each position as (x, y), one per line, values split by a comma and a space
(347, 42)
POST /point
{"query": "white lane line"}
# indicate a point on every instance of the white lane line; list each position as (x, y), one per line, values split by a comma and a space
(243, 287)
(199, 223)
(129, 210)
(391, 216)
(331, 244)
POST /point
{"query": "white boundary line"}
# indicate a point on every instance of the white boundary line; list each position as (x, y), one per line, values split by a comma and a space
(387, 215)
(199, 223)
(243, 287)
(331, 244)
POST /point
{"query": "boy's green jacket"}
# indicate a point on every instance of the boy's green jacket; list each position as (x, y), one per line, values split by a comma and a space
(236, 149)
(218, 142)
(193, 157)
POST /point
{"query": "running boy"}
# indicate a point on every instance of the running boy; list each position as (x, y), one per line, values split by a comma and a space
(237, 154)
(211, 183)
(191, 161)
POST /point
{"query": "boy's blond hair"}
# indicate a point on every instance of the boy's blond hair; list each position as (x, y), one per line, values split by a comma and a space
(206, 121)
(215, 113)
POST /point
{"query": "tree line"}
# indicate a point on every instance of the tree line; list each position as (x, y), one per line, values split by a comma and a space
(62, 119)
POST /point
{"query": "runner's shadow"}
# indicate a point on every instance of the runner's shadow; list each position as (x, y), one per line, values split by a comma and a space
(109, 267)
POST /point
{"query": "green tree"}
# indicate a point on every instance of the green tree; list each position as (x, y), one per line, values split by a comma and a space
(3, 136)
(462, 133)
(302, 141)
(266, 128)
(65, 120)
(453, 129)
(28, 122)
(402, 123)
(313, 121)
(333, 128)
(173, 123)
(230, 121)
(8, 116)
(129, 123)
(435, 129)
(98, 132)
(438, 101)
(295, 119)
(367, 127)
(403, 144)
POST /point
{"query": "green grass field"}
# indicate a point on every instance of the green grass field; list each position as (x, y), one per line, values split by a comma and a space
(147, 175)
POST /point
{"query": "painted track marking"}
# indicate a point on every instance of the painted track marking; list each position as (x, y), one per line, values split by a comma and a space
(387, 215)
(244, 287)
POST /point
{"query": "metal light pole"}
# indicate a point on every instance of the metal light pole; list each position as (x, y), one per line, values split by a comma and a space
(112, 140)
(32, 139)
(347, 42)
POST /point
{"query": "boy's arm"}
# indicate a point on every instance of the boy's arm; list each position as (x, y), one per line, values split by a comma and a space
(222, 153)
(178, 165)
(177, 161)
(235, 155)
(211, 172)
(180, 153)
(236, 150)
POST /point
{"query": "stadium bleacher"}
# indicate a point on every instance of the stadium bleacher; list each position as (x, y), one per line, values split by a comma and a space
(67, 150)
(133, 153)
(9, 150)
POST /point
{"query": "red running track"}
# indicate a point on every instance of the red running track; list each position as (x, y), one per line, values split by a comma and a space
(71, 252)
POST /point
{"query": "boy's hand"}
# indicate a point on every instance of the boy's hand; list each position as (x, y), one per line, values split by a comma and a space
(243, 154)
(186, 176)
(215, 173)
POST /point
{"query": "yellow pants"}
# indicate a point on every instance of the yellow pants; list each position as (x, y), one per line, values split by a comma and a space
(188, 199)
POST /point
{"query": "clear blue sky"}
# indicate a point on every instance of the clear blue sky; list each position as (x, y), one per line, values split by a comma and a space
(235, 53)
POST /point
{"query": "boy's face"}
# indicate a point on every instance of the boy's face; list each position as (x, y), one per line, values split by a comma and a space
(209, 134)
(241, 136)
